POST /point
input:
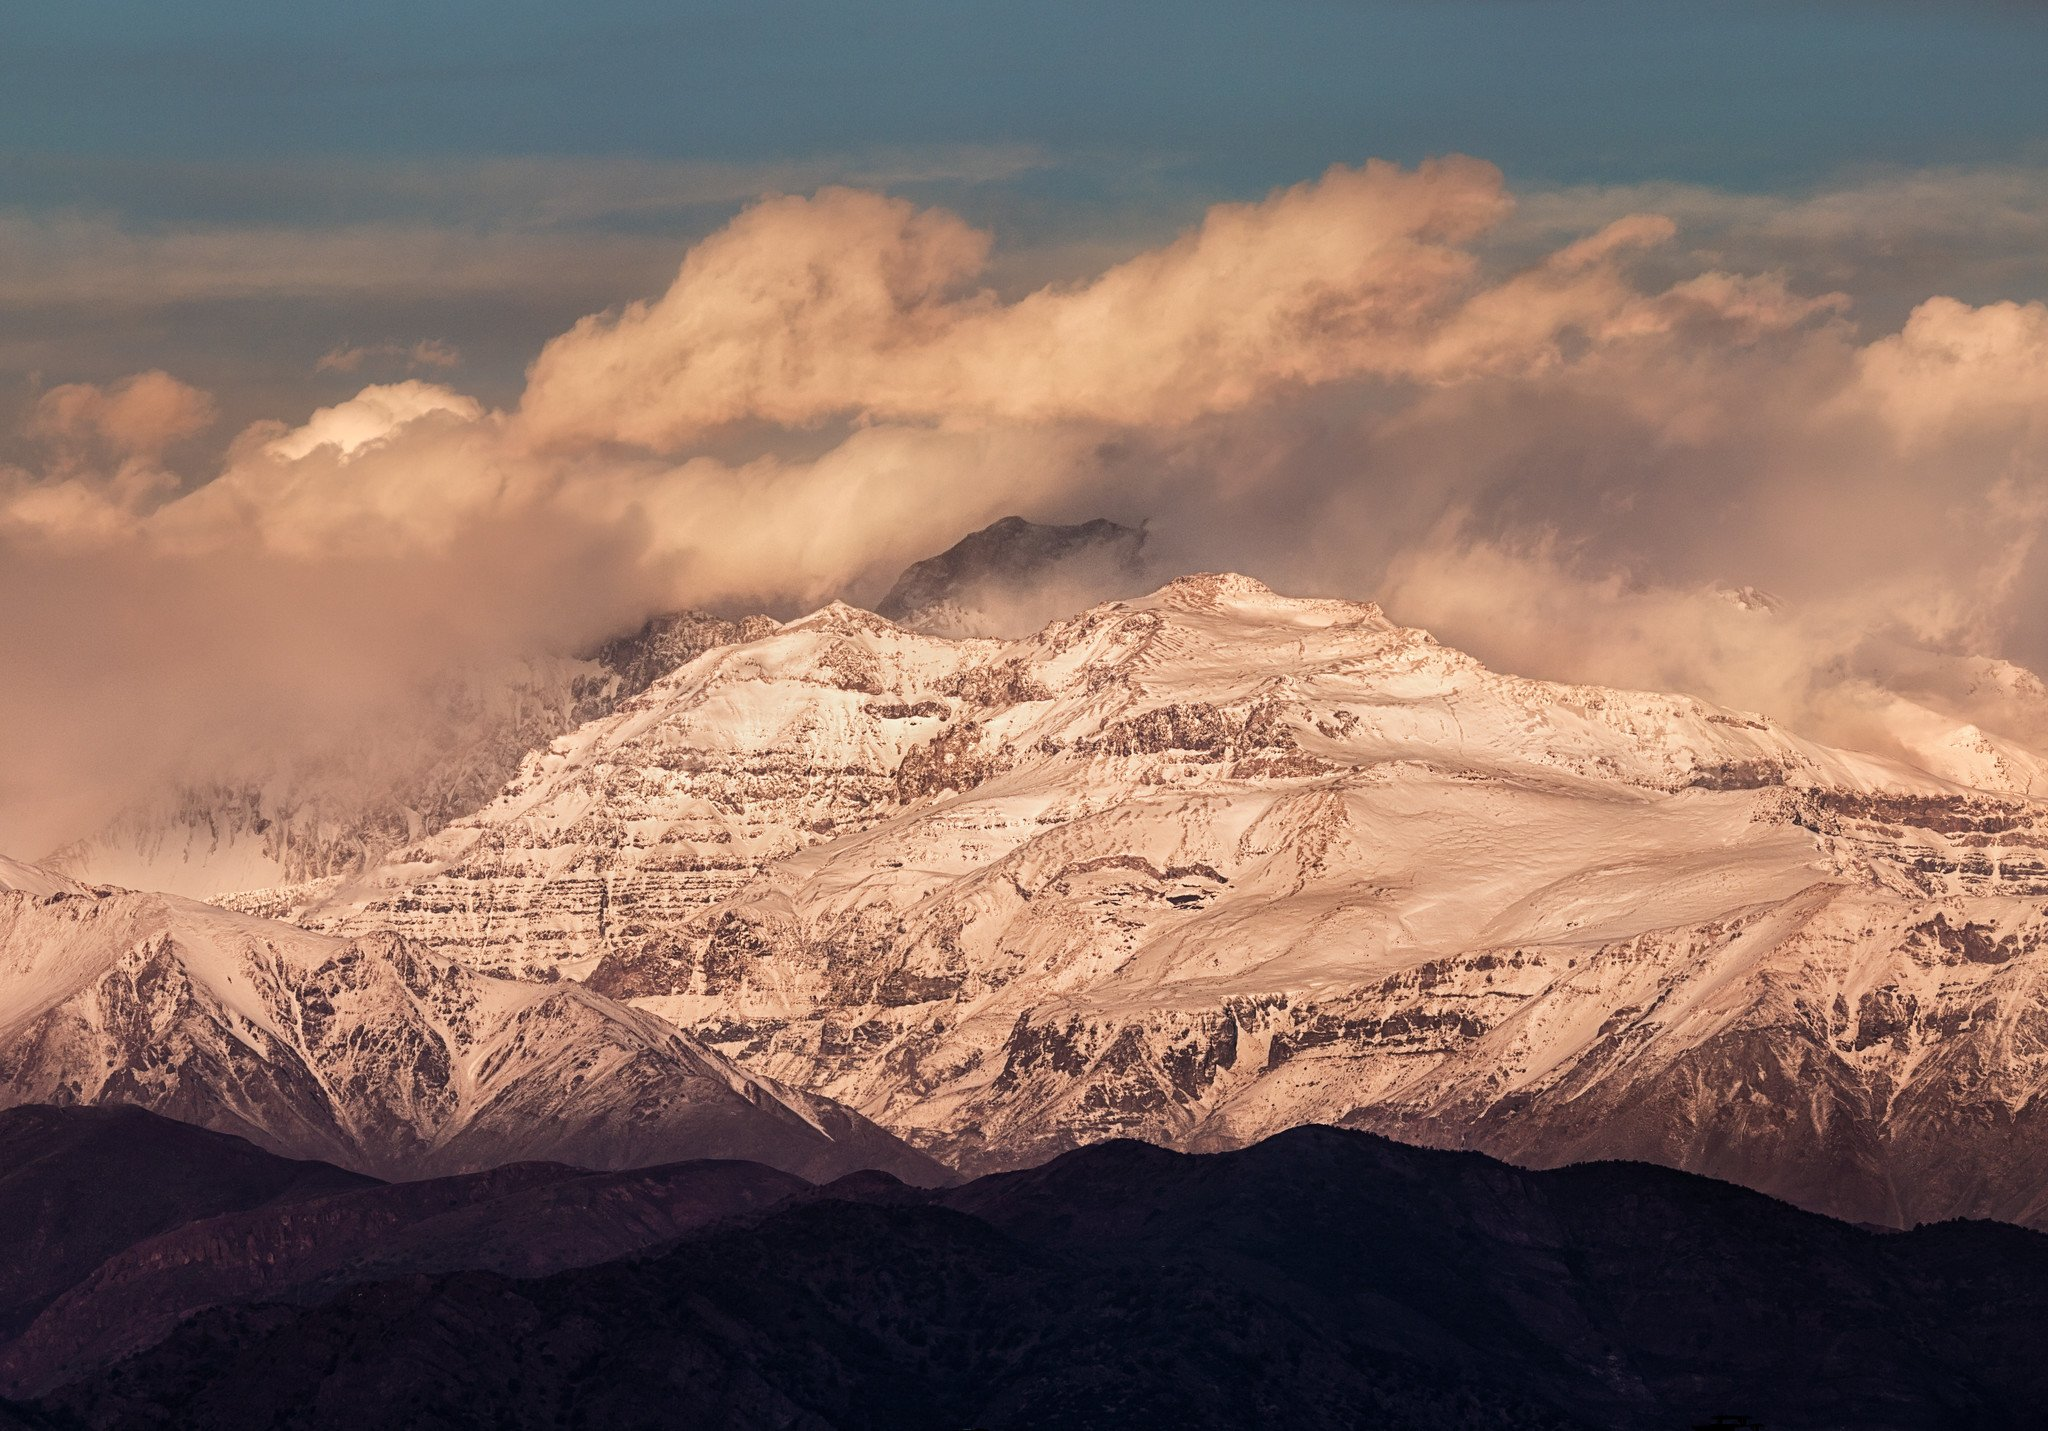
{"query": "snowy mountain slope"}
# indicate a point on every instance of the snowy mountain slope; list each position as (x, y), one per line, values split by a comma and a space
(637, 820)
(1215, 862)
(372, 1054)
(19, 878)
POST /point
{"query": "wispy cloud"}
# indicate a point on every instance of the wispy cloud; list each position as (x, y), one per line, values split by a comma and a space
(97, 229)
(426, 353)
(1891, 236)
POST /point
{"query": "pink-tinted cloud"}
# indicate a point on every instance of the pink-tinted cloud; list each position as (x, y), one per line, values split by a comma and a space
(850, 304)
(1564, 462)
(136, 417)
(1954, 366)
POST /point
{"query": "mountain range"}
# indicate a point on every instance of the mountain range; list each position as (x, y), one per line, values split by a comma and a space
(1193, 867)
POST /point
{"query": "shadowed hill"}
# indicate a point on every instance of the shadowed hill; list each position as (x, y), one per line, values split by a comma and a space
(79, 1184)
(1323, 1278)
(123, 1222)
(1015, 574)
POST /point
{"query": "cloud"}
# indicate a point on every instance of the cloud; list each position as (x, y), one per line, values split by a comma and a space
(1562, 455)
(103, 264)
(479, 193)
(138, 416)
(426, 353)
(1892, 237)
(372, 415)
(112, 233)
(1954, 365)
(849, 304)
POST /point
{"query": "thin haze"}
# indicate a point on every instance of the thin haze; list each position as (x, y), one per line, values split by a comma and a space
(1739, 398)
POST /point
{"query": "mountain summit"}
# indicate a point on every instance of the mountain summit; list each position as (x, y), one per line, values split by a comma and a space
(1012, 576)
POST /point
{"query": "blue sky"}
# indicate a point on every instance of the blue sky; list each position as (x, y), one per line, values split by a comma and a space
(1743, 94)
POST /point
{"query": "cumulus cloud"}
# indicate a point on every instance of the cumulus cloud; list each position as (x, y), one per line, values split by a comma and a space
(372, 415)
(1564, 457)
(853, 304)
(136, 417)
(1953, 365)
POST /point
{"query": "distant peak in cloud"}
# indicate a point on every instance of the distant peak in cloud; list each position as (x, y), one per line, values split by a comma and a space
(1014, 575)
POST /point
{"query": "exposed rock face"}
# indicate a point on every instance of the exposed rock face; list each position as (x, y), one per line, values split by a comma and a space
(1213, 863)
(372, 1053)
(1013, 575)
(628, 665)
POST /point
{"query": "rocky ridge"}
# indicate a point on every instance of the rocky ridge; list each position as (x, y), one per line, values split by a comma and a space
(372, 1053)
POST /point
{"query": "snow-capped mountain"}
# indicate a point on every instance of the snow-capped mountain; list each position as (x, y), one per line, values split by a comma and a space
(19, 878)
(1215, 862)
(371, 1053)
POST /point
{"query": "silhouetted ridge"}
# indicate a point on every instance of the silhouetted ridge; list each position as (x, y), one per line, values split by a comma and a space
(119, 1222)
(79, 1184)
(1320, 1279)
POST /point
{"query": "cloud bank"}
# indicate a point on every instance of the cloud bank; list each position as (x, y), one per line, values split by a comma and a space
(1589, 457)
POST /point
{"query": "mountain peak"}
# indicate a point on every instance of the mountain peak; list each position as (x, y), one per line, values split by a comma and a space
(839, 615)
(1207, 589)
(1248, 596)
(1013, 575)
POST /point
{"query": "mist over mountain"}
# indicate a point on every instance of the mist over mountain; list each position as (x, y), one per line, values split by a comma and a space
(1553, 427)
(327, 811)
(332, 812)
